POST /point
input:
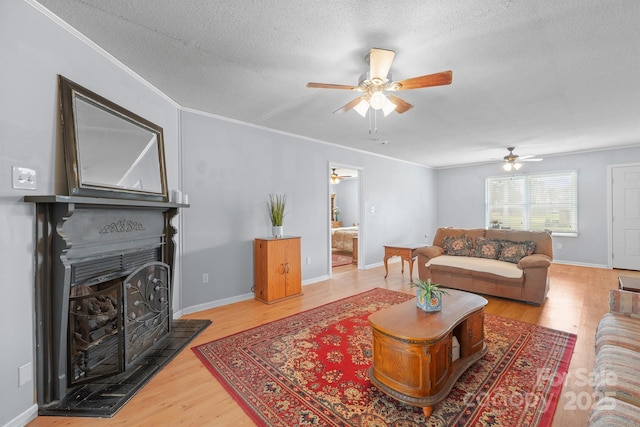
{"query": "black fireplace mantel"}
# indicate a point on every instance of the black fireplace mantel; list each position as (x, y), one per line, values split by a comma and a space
(75, 238)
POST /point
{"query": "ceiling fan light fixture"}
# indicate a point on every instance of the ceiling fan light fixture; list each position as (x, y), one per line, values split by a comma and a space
(362, 107)
(511, 164)
(378, 100)
(388, 107)
(335, 178)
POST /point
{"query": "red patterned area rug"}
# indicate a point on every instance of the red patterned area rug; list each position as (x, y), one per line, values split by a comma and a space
(310, 369)
(338, 260)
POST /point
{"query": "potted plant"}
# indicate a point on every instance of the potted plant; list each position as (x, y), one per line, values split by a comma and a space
(336, 212)
(428, 295)
(275, 207)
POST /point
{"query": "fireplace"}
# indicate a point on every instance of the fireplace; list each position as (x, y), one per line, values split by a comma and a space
(103, 289)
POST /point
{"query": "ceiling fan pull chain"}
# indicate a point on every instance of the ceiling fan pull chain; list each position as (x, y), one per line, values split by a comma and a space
(373, 122)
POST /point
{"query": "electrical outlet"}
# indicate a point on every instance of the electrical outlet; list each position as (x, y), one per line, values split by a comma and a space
(559, 245)
(23, 178)
(205, 278)
(308, 260)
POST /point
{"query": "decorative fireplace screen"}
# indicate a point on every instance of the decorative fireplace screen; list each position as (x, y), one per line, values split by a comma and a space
(113, 323)
(147, 313)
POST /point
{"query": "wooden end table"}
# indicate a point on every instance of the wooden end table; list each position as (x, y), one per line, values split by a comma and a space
(407, 252)
(412, 349)
(629, 283)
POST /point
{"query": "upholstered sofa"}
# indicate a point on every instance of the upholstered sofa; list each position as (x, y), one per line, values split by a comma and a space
(617, 365)
(504, 263)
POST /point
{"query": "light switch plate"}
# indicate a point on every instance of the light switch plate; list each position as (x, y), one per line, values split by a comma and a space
(24, 178)
(25, 374)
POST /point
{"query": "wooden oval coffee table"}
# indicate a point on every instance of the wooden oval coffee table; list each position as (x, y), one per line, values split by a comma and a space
(412, 349)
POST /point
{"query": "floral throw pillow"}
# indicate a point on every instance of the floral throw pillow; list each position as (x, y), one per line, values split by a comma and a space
(515, 251)
(487, 248)
(459, 246)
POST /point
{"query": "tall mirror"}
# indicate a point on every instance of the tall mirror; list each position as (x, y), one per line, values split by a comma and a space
(110, 151)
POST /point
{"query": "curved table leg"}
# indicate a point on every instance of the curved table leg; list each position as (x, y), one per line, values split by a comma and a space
(386, 268)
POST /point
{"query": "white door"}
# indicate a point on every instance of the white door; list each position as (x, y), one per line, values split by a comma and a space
(626, 217)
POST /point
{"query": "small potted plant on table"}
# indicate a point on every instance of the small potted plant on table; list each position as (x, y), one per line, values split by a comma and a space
(428, 295)
(275, 206)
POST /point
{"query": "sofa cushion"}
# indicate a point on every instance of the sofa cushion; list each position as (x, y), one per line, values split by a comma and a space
(620, 330)
(626, 303)
(487, 248)
(610, 412)
(430, 251)
(542, 239)
(459, 246)
(515, 251)
(617, 374)
(485, 265)
(442, 232)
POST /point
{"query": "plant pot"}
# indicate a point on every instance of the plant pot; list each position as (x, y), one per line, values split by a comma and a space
(429, 302)
(277, 231)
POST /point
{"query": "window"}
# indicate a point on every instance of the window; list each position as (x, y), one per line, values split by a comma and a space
(544, 201)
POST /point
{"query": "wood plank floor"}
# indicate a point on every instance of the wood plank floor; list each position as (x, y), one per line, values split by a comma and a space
(186, 394)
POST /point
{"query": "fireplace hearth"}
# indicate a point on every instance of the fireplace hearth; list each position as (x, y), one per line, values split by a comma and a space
(105, 396)
(104, 301)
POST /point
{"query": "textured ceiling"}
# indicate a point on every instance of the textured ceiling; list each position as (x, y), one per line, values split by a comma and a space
(545, 76)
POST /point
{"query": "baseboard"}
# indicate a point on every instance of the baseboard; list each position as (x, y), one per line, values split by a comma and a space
(315, 280)
(217, 303)
(24, 418)
(378, 264)
(580, 264)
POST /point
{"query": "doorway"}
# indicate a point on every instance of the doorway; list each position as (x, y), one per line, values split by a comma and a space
(625, 217)
(345, 237)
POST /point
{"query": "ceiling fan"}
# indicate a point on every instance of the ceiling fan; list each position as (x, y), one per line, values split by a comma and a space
(376, 84)
(512, 161)
(335, 178)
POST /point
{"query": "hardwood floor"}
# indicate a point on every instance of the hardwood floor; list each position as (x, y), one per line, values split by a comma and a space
(186, 394)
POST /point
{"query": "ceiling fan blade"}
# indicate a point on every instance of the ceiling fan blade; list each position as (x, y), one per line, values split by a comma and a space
(437, 79)
(530, 159)
(331, 86)
(348, 106)
(401, 104)
(379, 63)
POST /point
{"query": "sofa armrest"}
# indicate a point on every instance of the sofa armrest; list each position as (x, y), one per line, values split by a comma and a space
(535, 261)
(430, 252)
(626, 303)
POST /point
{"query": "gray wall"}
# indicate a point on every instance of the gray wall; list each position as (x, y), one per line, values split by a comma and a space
(461, 199)
(347, 199)
(230, 168)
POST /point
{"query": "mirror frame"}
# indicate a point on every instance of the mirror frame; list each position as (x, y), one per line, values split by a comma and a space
(67, 92)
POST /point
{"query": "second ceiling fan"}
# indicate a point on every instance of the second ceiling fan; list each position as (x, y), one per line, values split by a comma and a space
(376, 84)
(512, 160)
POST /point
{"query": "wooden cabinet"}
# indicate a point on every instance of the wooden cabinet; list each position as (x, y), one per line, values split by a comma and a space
(277, 268)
